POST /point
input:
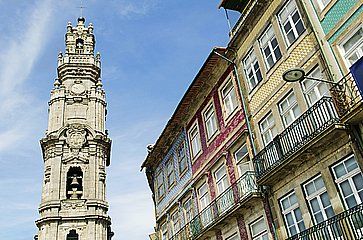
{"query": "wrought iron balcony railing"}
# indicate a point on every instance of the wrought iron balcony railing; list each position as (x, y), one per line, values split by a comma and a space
(346, 95)
(244, 187)
(309, 125)
(346, 225)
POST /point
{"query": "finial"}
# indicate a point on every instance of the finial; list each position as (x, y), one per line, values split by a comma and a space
(57, 83)
(99, 83)
(81, 7)
(69, 27)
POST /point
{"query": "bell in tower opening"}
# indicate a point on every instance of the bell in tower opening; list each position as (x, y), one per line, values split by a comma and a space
(76, 147)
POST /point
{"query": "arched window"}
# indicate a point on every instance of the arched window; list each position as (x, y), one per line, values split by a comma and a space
(79, 45)
(74, 183)
(72, 235)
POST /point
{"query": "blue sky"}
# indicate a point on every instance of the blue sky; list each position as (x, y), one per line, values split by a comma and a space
(151, 50)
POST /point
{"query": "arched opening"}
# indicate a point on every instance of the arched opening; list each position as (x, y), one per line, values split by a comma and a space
(79, 45)
(74, 183)
(72, 235)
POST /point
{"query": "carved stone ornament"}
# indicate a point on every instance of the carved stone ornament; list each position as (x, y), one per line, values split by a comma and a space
(73, 205)
(76, 138)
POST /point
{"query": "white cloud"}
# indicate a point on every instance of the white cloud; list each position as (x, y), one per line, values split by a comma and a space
(18, 111)
(143, 7)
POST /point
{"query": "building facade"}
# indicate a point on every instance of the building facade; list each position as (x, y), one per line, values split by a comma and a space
(302, 135)
(276, 159)
(76, 146)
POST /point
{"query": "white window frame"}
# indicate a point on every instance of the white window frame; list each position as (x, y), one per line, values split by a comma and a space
(210, 121)
(271, 130)
(314, 87)
(269, 45)
(357, 47)
(317, 195)
(164, 231)
(348, 176)
(194, 135)
(203, 198)
(240, 160)
(229, 99)
(234, 236)
(188, 210)
(289, 110)
(222, 180)
(175, 221)
(160, 184)
(321, 5)
(291, 210)
(291, 22)
(170, 171)
(249, 63)
(260, 235)
(182, 157)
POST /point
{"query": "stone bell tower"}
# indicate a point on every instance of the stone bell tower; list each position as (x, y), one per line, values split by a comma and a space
(76, 148)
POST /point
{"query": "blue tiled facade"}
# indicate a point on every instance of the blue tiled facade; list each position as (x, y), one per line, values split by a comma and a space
(336, 13)
(181, 179)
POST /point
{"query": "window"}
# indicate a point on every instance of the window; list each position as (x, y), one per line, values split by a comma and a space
(204, 200)
(229, 98)
(164, 231)
(182, 158)
(289, 109)
(318, 200)
(314, 90)
(252, 69)
(240, 155)
(268, 129)
(353, 47)
(210, 121)
(203, 196)
(322, 3)
(221, 179)
(291, 22)
(72, 235)
(259, 230)
(195, 140)
(160, 185)
(171, 172)
(270, 47)
(176, 222)
(233, 237)
(350, 181)
(292, 214)
(188, 210)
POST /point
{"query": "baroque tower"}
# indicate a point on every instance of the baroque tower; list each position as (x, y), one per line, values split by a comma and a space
(76, 146)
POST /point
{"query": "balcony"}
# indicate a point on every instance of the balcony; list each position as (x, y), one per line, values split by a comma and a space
(347, 99)
(303, 132)
(346, 225)
(232, 198)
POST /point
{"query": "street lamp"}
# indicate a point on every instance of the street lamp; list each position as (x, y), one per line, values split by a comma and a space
(298, 74)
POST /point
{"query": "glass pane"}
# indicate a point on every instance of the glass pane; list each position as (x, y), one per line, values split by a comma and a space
(329, 212)
(319, 184)
(293, 199)
(285, 204)
(325, 199)
(315, 205)
(351, 202)
(351, 164)
(292, 230)
(346, 189)
(310, 188)
(298, 214)
(289, 219)
(353, 40)
(340, 170)
(358, 181)
(319, 217)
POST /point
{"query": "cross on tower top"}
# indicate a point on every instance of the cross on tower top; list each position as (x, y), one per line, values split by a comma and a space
(81, 7)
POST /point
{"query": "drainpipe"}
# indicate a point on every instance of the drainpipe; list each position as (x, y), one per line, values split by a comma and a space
(254, 151)
(243, 100)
